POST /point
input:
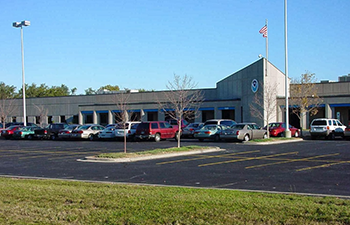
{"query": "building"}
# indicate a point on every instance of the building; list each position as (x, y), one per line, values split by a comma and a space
(230, 99)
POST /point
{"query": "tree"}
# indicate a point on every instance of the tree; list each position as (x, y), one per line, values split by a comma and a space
(183, 99)
(303, 96)
(124, 115)
(7, 106)
(42, 113)
(45, 91)
(264, 105)
(90, 91)
(110, 87)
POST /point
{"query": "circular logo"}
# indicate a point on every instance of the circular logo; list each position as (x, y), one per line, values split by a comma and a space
(255, 85)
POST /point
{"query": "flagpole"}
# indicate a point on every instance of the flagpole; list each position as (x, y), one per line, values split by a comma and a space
(267, 47)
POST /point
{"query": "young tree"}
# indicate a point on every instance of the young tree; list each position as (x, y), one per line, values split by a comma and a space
(42, 113)
(303, 96)
(264, 105)
(124, 115)
(183, 99)
(7, 106)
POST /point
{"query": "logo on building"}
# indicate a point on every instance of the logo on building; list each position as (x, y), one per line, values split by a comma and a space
(255, 85)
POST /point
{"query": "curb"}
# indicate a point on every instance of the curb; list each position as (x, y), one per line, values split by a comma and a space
(276, 142)
(148, 157)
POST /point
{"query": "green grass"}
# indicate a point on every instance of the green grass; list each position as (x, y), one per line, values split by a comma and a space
(150, 152)
(63, 202)
(271, 139)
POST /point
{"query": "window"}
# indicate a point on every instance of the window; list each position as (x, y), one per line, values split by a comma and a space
(154, 125)
(162, 125)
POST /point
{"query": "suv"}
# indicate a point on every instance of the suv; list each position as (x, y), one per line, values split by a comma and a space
(156, 130)
(50, 131)
(130, 129)
(223, 122)
(328, 128)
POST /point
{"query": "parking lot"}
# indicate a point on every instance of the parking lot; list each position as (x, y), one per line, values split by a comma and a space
(315, 167)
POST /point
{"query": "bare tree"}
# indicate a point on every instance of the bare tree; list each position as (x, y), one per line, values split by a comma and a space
(183, 99)
(7, 107)
(42, 112)
(264, 105)
(124, 115)
(303, 96)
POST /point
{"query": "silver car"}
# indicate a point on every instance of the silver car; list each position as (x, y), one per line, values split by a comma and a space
(88, 131)
(244, 132)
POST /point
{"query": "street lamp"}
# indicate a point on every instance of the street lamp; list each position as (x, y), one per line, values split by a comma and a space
(20, 25)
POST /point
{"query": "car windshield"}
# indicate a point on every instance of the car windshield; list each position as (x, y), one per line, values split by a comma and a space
(210, 127)
(238, 126)
(274, 124)
(319, 122)
(84, 127)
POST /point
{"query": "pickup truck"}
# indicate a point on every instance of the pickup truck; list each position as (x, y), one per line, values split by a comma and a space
(50, 131)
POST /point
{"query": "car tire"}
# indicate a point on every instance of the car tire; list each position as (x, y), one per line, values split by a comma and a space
(265, 136)
(30, 137)
(53, 137)
(246, 138)
(331, 136)
(157, 137)
(282, 134)
(176, 133)
(217, 138)
(91, 137)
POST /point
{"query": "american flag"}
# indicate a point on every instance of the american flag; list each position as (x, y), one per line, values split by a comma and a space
(263, 31)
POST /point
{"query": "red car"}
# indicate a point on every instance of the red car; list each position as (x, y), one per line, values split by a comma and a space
(155, 130)
(8, 132)
(277, 130)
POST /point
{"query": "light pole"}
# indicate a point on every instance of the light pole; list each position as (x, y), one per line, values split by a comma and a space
(20, 25)
(287, 131)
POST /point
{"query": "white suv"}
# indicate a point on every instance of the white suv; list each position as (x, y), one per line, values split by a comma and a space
(328, 128)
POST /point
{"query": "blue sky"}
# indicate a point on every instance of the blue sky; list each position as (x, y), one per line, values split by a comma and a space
(143, 43)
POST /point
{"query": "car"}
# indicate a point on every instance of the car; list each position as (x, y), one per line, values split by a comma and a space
(156, 130)
(129, 128)
(327, 128)
(8, 132)
(87, 131)
(50, 131)
(25, 132)
(189, 130)
(107, 133)
(226, 122)
(210, 131)
(346, 134)
(66, 132)
(277, 129)
(244, 132)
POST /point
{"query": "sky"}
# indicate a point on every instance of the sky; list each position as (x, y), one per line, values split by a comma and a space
(141, 44)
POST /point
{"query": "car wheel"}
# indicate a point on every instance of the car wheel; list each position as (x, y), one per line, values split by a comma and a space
(265, 136)
(91, 137)
(53, 137)
(177, 133)
(217, 138)
(30, 137)
(282, 134)
(157, 138)
(331, 136)
(246, 138)
(296, 134)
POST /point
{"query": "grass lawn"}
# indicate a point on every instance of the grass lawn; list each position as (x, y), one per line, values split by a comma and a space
(69, 202)
(157, 151)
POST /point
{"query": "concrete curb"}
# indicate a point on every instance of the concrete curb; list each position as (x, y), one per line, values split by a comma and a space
(148, 157)
(275, 142)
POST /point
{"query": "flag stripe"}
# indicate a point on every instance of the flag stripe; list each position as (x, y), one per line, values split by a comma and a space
(263, 31)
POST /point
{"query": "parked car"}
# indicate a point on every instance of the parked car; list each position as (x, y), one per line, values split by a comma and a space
(155, 130)
(225, 122)
(66, 132)
(8, 132)
(130, 129)
(107, 133)
(277, 129)
(347, 133)
(327, 128)
(50, 131)
(87, 131)
(25, 132)
(21, 124)
(244, 132)
(210, 131)
(189, 130)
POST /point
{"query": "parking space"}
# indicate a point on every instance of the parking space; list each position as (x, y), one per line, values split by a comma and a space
(309, 166)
